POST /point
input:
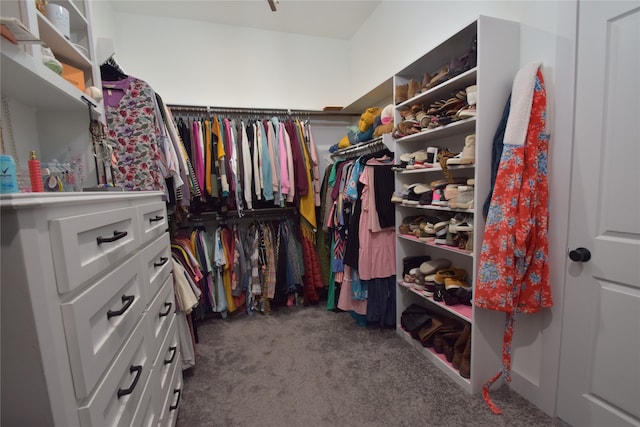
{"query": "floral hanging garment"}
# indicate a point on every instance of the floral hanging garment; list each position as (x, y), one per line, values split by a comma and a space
(133, 135)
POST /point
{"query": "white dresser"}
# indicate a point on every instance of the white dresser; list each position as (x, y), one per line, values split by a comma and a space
(89, 336)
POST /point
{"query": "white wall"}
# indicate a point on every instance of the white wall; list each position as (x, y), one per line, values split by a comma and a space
(103, 23)
(199, 63)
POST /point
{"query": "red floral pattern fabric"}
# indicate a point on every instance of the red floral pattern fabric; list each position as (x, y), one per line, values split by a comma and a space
(514, 273)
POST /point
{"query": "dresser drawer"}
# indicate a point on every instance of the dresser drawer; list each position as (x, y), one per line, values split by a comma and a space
(116, 398)
(84, 245)
(153, 220)
(167, 359)
(169, 411)
(98, 321)
(161, 313)
(156, 265)
(148, 411)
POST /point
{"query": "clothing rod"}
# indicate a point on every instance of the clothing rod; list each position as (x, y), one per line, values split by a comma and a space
(366, 146)
(253, 213)
(276, 212)
(272, 111)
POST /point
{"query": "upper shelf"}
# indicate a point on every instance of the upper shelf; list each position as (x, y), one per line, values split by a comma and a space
(454, 47)
(444, 90)
(32, 83)
(455, 128)
(64, 50)
(77, 18)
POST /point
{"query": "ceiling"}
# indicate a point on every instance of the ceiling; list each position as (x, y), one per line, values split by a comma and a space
(322, 18)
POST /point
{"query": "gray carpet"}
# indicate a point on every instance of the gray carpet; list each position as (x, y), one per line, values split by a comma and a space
(306, 366)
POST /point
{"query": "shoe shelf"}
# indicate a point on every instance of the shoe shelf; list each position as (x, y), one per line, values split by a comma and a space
(438, 359)
(454, 128)
(462, 311)
(443, 90)
(433, 245)
(439, 208)
(495, 45)
(403, 171)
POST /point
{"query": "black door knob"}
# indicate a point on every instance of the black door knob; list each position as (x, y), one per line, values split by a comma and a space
(580, 255)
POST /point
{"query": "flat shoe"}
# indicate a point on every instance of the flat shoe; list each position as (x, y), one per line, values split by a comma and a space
(430, 267)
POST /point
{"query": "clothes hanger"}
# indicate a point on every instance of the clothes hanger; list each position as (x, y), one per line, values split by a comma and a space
(111, 71)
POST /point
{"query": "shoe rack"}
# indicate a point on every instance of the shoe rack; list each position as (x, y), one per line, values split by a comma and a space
(497, 61)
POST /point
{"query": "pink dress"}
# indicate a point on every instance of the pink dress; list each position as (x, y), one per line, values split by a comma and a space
(376, 259)
(345, 301)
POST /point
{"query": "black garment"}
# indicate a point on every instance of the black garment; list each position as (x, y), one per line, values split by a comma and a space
(280, 294)
(185, 135)
(250, 193)
(381, 301)
(216, 184)
(383, 187)
(352, 247)
(496, 153)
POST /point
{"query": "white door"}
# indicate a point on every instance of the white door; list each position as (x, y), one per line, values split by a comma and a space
(599, 382)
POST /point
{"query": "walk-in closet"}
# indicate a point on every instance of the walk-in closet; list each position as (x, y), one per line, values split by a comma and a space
(319, 213)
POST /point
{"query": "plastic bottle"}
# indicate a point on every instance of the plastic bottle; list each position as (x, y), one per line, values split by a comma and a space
(35, 174)
(8, 177)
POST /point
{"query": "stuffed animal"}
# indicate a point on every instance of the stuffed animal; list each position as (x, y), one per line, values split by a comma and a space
(364, 130)
(386, 122)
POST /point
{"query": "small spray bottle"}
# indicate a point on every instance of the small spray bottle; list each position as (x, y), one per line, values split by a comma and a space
(35, 173)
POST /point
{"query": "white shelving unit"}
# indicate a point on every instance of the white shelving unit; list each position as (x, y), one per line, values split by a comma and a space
(49, 114)
(497, 63)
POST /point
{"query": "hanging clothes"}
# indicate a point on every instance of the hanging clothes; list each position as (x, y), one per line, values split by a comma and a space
(377, 245)
(307, 199)
(360, 244)
(323, 238)
(219, 262)
(182, 189)
(186, 292)
(514, 273)
(133, 129)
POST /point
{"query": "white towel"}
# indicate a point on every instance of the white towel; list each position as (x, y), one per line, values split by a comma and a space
(521, 100)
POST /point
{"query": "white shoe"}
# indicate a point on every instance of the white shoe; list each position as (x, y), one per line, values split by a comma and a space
(468, 154)
(465, 198)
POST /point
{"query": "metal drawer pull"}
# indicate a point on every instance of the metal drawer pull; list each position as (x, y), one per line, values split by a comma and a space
(127, 300)
(117, 235)
(156, 218)
(174, 349)
(174, 407)
(166, 313)
(163, 261)
(132, 369)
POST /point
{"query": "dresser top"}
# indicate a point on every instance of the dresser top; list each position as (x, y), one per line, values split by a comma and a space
(31, 200)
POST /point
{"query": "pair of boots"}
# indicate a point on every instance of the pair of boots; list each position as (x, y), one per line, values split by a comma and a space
(462, 352)
(443, 342)
(407, 91)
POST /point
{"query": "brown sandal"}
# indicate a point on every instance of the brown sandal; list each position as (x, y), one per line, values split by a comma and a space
(440, 77)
